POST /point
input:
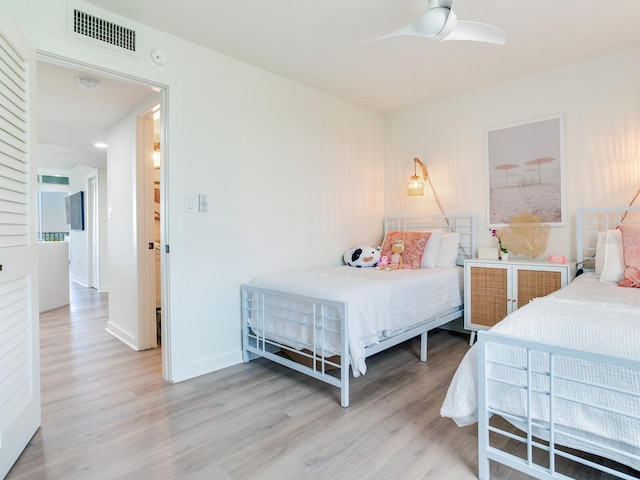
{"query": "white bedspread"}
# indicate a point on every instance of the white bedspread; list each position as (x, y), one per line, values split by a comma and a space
(587, 315)
(380, 303)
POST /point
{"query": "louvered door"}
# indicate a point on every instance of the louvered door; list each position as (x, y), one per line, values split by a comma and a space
(19, 336)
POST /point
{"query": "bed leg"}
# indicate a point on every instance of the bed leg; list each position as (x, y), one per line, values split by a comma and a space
(344, 387)
(483, 414)
(344, 397)
(423, 347)
(483, 469)
(483, 442)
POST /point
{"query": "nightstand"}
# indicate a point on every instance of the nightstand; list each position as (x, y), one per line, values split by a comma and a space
(495, 288)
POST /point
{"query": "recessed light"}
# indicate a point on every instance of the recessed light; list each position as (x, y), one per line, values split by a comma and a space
(100, 145)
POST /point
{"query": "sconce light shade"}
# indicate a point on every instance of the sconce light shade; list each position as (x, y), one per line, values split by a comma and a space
(415, 186)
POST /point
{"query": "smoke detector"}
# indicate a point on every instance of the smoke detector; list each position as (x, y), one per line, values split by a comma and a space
(87, 83)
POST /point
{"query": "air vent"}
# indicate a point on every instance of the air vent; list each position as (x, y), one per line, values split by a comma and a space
(103, 31)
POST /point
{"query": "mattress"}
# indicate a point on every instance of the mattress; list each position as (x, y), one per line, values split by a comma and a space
(587, 315)
(380, 303)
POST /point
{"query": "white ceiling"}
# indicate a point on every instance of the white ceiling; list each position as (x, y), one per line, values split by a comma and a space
(312, 42)
(70, 120)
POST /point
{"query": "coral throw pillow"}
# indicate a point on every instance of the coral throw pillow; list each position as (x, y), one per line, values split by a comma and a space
(631, 250)
(414, 243)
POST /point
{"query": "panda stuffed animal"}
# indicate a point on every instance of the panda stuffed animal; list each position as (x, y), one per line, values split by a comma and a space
(364, 256)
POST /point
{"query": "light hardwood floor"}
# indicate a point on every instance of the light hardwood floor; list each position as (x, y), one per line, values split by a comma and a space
(107, 414)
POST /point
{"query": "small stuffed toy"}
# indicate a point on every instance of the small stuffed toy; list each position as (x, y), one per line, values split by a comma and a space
(396, 257)
(364, 256)
(384, 261)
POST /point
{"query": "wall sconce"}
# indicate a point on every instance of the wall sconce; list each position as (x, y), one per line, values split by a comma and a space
(416, 184)
(156, 154)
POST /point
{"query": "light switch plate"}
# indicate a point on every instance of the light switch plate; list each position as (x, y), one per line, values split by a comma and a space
(189, 203)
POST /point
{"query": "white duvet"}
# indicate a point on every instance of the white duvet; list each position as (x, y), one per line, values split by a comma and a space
(380, 303)
(587, 315)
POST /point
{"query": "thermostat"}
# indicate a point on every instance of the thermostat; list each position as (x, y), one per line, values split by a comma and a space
(202, 202)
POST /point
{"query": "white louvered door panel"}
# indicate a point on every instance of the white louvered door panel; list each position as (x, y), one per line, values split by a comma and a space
(19, 334)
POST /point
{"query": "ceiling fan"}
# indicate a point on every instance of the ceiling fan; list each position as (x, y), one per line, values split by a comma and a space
(440, 22)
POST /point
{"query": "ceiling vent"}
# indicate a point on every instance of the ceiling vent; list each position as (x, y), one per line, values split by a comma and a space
(105, 32)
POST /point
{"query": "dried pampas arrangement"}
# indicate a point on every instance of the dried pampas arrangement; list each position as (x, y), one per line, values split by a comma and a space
(526, 235)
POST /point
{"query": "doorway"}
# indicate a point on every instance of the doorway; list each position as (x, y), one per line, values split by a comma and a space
(149, 135)
(56, 137)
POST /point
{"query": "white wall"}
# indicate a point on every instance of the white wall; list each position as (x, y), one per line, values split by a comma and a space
(294, 177)
(53, 212)
(79, 179)
(600, 101)
(53, 278)
(123, 240)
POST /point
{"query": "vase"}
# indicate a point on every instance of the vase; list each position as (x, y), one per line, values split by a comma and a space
(504, 256)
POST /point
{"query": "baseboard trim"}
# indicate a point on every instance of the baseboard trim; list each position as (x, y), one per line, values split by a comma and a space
(121, 335)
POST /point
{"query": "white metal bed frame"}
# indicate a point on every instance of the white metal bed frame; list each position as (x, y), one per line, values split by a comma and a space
(588, 223)
(591, 221)
(322, 313)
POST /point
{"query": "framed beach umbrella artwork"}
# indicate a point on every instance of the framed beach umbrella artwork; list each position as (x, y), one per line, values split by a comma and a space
(525, 171)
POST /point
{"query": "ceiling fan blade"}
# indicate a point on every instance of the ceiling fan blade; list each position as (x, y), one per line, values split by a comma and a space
(477, 32)
(429, 25)
(406, 31)
(440, 22)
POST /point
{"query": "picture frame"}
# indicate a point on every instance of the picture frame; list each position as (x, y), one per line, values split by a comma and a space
(525, 171)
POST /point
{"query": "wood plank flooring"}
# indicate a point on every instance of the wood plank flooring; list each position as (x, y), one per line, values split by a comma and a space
(107, 414)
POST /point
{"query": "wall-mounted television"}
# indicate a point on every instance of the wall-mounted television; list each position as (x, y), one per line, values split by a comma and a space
(74, 204)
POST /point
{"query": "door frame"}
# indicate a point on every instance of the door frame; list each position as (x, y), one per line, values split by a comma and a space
(92, 232)
(145, 214)
(164, 219)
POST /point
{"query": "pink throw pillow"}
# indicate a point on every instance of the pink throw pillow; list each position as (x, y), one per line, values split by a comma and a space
(414, 243)
(631, 251)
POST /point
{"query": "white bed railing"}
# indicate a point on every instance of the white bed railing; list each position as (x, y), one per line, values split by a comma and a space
(262, 307)
(542, 437)
(590, 222)
(463, 223)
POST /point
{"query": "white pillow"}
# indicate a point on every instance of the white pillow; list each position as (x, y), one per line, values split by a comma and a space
(600, 248)
(430, 254)
(613, 266)
(448, 252)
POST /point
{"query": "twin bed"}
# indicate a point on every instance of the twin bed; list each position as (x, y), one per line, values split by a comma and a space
(325, 322)
(564, 370)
